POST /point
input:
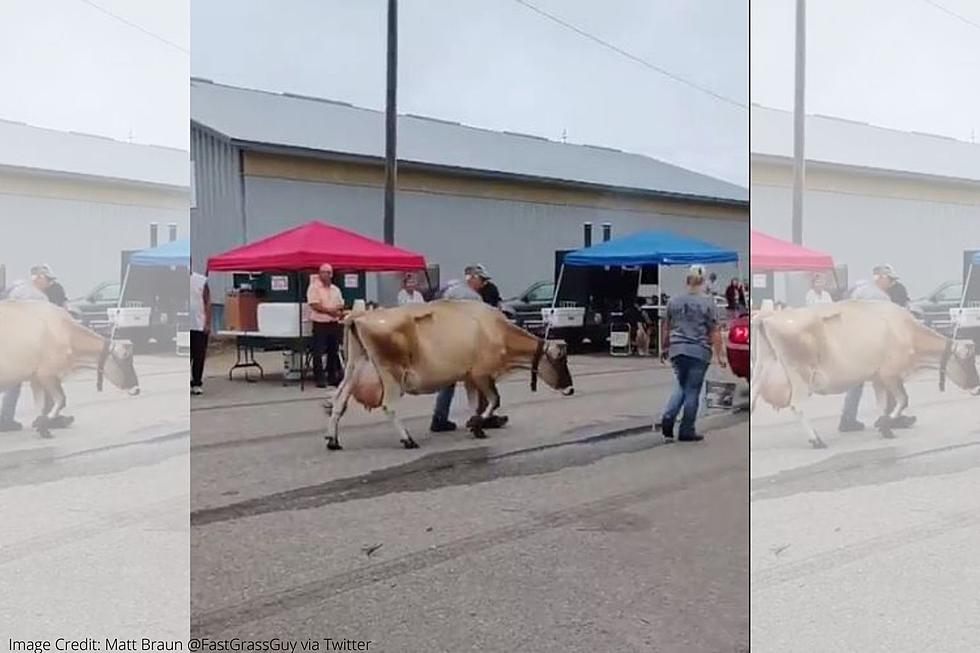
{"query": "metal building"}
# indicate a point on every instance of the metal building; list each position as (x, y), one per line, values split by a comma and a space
(267, 161)
(76, 201)
(873, 195)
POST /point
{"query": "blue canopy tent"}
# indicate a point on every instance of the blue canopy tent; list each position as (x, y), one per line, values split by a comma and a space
(974, 262)
(660, 248)
(175, 254)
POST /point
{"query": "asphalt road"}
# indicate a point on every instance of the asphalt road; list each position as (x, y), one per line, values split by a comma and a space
(870, 545)
(95, 535)
(548, 536)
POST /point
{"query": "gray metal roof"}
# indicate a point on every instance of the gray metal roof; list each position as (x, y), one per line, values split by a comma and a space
(250, 116)
(38, 150)
(848, 143)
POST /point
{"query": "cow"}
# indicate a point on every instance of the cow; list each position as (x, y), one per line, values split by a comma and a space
(829, 348)
(41, 343)
(419, 349)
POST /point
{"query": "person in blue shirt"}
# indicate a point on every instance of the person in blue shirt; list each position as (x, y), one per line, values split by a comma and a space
(690, 334)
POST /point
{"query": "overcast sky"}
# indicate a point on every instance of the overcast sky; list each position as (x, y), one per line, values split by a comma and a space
(497, 64)
(905, 64)
(67, 65)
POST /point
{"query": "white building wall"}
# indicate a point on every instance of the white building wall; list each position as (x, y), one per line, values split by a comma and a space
(80, 228)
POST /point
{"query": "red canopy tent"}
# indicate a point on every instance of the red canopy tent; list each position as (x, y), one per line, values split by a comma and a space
(308, 246)
(770, 254)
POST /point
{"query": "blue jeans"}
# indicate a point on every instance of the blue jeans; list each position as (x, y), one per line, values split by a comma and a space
(444, 400)
(9, 405)
(852, 401)
(689, 372)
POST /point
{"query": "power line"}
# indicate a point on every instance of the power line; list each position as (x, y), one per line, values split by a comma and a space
(630, 56)
(135, 26)
(953, 13)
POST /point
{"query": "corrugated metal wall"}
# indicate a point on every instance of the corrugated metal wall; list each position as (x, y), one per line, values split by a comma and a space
(515, 239)
(217, 218)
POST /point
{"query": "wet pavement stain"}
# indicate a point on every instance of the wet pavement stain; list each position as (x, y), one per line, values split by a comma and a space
(439, 470)
(864, 468)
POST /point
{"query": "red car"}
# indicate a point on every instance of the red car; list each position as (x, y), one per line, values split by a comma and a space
(737, 347)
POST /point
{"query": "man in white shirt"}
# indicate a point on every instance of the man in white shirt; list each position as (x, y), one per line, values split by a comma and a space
(326, 312)
(200, 317)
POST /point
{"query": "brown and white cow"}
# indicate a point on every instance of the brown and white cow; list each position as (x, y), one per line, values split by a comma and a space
(422, 348)
(828, 349)
(41, 343)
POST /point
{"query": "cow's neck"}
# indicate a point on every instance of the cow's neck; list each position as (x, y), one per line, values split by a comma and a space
(87, 343)
(522, 347)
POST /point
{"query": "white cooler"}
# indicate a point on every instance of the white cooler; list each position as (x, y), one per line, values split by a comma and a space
(129, 317)
(281, 319)
(564, 317)
(969, 318)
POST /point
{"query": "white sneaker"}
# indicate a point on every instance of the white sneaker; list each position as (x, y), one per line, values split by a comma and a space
(196, 390)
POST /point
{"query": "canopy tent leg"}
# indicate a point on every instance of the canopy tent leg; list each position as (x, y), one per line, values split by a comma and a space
(959, 314)
(122, 293)
(554, 301)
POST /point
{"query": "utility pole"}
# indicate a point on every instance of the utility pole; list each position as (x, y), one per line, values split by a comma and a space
(799, 122)
(391, 123)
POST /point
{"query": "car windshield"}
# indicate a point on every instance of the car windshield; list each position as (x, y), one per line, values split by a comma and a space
(950, 293)
(107, 293)
(542, 293)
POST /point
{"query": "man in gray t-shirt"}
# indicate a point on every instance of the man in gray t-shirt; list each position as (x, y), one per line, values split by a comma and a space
(690, 334)
(457, 291)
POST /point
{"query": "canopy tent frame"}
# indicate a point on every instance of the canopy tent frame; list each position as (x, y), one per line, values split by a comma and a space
(657, 248)
(974, 262)
(788, 257)
(299, 244)
(174, 254)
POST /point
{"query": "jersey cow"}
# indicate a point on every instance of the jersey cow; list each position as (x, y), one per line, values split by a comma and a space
(419, 349)
(41, 343)
(827, 349)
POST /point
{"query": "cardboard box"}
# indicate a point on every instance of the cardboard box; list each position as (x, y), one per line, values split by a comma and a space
(241, 311)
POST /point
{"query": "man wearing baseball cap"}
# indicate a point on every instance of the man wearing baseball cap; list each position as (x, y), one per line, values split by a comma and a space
(42, 277)
(690, 334)
(484, 285)
(894, 287)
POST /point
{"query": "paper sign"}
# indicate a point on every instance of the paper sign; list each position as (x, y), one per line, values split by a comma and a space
(758, 281)
(280, 282)
(350, 281)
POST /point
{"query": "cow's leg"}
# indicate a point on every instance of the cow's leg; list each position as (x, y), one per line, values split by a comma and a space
(56, 396)
(885, 406)
(808, 427)
(899, 420)
(403, 434)
(41, 404)
(477, 401)
(489, 404)
(335, 410)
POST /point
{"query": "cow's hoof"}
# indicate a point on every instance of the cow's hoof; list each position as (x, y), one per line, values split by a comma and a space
(474, 422)
(887, 433)
(883, 422)
(39, 422)
(495, 422)
(333, 445)
(45, 433)
(903, 422)
(410, 444)
(61, 422)
(818, 444)
(479, 433)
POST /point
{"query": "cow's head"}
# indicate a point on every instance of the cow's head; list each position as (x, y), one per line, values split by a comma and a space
(116, 364)
(960, 364)
(551, 363)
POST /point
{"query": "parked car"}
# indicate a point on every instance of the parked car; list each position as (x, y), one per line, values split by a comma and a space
(527, 306)
(737, 346)
(933, 309)
(91, 309)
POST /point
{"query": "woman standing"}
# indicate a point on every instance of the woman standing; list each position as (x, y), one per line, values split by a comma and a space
(817, 294)
(690, 333)
(409, 294)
